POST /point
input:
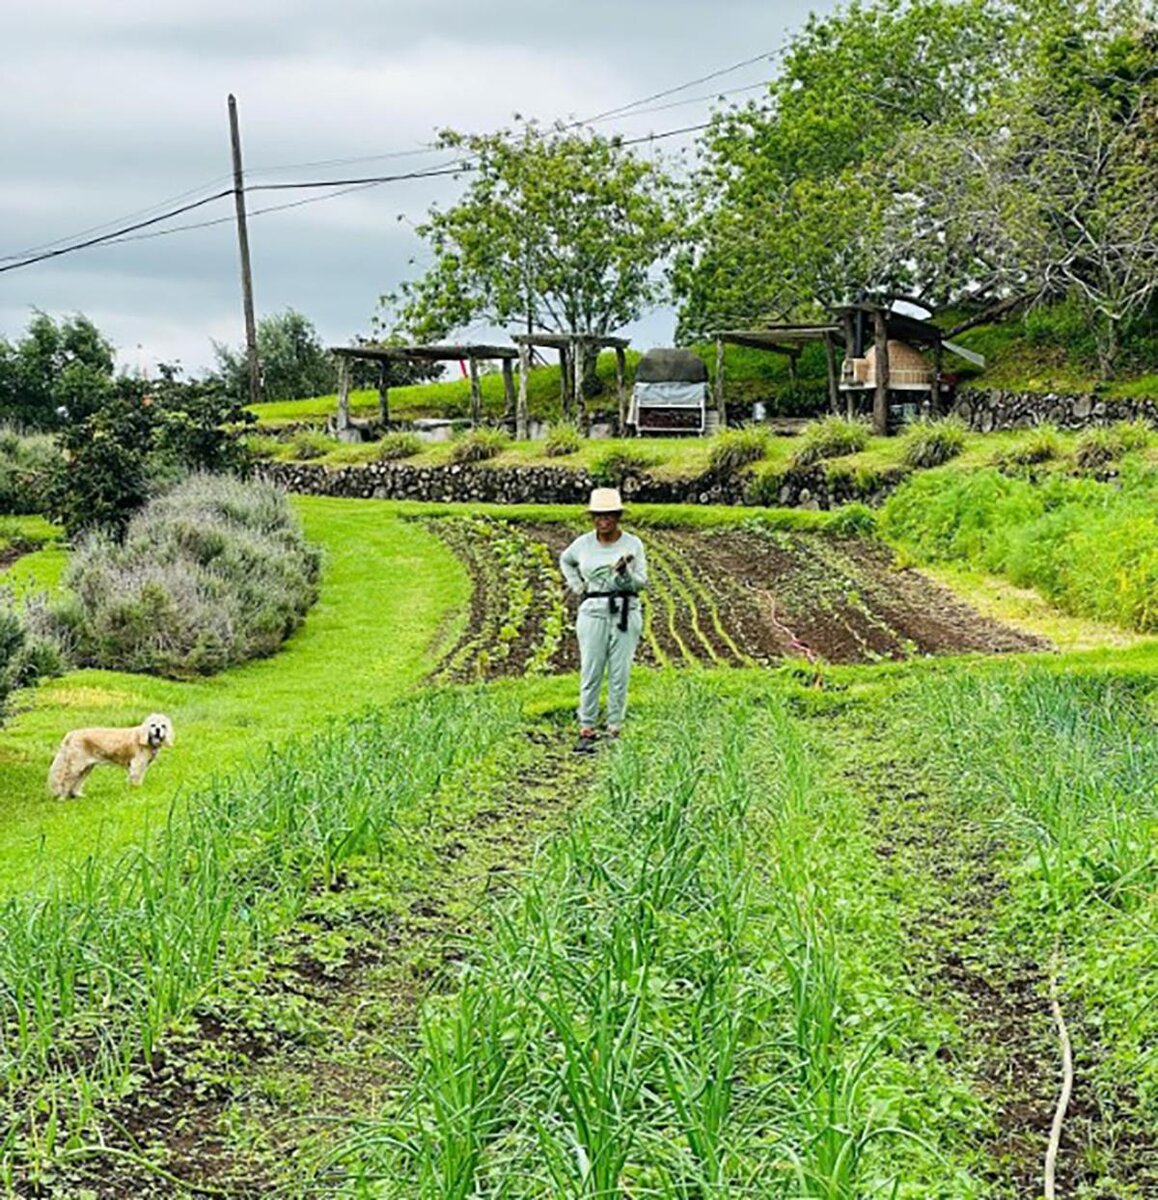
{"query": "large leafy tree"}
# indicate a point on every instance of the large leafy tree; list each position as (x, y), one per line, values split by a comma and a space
(59, 369)
(294, 362)
(559, 229)
(796, 192)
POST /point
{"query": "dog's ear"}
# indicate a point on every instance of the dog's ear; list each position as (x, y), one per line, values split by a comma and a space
(143, 734)
(168, 732)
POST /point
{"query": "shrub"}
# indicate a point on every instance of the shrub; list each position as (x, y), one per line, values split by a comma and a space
(763, 486)
(11, 647)
(309, 443)
(853, 520)
(931, 443)
(562, 439)
(618, 463)
(28, 650)
(829, 437)
(211, 574)
(479, 445)
(399, 445)
(1042, 444)
(1099, 446)
(27, 463)
(732, 449)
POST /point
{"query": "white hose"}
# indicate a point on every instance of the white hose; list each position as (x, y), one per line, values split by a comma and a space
(1059, 1115)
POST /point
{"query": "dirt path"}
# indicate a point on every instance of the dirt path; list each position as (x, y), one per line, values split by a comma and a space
(733, 597)
(246, 1099)
(998, 993)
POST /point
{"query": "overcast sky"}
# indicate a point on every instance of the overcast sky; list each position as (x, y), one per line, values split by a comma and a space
(111, 110)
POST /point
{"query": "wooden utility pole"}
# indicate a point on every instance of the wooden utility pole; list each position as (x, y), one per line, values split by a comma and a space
(881, 394)
(243, 246)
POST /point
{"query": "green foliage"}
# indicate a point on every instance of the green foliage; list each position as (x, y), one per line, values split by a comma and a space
(1090, 549)
(309, 443)
(930, 443)
(1099, 445)
(732, 449)
(139, 437)
(65, 365)
(618, 463)
(479, 445)
(1040, 445)
(563, 438)
(214, 572)
(27, 464)
(853, 520)
(294, 361)
(399, 445)
(560, 228)
(830, 437)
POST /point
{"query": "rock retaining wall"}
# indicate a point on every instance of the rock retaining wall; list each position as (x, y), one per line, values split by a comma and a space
(813, 488)
(993, 410)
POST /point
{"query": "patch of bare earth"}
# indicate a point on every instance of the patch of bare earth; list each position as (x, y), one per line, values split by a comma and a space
(296, 1050)
(739, 597)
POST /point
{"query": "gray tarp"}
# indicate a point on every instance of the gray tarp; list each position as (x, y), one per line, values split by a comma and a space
(671, 366)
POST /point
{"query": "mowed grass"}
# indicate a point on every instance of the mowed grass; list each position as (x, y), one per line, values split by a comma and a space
(391, 592)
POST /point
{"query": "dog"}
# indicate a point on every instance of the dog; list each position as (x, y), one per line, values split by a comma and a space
(83, 749)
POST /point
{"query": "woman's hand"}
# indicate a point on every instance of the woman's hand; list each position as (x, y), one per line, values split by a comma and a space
(623, 562)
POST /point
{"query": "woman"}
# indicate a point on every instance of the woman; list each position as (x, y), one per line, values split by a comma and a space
(608, 568)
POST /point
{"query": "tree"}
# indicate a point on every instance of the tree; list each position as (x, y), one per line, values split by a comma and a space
(796, 193)
(559, 229)
(56, 365)
(294, 362)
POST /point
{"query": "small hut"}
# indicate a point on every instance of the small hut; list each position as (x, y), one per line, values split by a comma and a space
(670, 393)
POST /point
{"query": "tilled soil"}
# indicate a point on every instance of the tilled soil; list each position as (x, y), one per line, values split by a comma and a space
(740, 597)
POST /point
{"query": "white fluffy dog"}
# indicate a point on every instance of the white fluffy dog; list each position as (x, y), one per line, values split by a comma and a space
(83, 749)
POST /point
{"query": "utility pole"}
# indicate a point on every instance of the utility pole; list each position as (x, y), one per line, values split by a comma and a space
(243, 246)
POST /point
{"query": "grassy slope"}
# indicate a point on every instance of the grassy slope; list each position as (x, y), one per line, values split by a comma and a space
(389, 589)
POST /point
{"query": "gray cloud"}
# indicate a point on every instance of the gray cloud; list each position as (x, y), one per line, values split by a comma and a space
(111, 106)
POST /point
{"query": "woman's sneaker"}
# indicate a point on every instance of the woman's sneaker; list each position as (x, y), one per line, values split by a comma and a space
(586, 742)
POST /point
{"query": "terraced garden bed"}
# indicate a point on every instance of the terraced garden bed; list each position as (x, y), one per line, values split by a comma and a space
(725, 597)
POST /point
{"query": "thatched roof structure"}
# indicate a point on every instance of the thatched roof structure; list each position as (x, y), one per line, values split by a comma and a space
(671, 366)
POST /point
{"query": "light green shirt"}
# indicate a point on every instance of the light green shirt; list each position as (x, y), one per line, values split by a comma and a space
(588, 565)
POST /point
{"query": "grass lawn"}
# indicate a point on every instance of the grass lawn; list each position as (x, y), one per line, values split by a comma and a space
(390, 592)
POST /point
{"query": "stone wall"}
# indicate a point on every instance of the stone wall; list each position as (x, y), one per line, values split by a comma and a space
(994, 410)
(481, 484)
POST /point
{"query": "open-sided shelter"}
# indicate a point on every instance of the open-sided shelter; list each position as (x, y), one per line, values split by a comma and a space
(571, 348)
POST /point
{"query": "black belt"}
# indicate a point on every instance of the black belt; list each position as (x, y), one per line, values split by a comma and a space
(611, 598)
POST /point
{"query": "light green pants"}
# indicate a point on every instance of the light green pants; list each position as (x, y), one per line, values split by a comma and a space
(603, 646)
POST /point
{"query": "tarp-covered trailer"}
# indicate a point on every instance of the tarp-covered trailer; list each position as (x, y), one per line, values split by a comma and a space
(670, 393)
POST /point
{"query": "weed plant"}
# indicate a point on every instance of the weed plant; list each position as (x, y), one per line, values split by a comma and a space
(732, 449)
(94, 972)
(479, 445)
(829, 437)
(1099, 445)
(563, 438)
(620, 462)
(307, 444)
(1040, 445)
(398, 445)
(927, 444)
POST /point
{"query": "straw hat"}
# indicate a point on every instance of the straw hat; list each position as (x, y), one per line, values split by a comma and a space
(605, 500)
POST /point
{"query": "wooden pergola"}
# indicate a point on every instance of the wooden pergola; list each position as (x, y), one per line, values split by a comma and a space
(570, 347)
(470, 353)
(789, 340)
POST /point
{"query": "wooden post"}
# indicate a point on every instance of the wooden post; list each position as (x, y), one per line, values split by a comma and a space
(383, 395)
(343, 393)
(720, 383)
(935, 390)
(830, 362)
(475, 393)
(521, 430)
(580, 399)
(881, 395)
(792, 369)
(565, 380)
(849, 355)
(508, 393)
(621, 388)
(243, 248)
